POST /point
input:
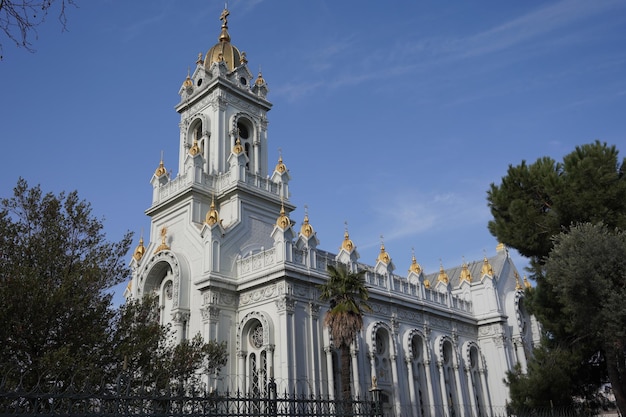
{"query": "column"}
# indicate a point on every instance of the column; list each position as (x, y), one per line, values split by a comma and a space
(429, 387)
(329, 370)
(459, 389)
(472, 392)
(241, 359)
(356, 383)
(412, 393)
(485, 391)
(394, 378)
(444, 392)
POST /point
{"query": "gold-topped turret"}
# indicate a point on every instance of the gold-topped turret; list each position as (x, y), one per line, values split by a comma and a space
(224, 51)
(283, 221)
(260, 80)
(415, 267)
(383, 256)
(212, 216)
(163, 245)
(442, 277)
(306, 230)
(140, 250)
(486, 268)
(280, 166)
(465, 273)
(347, 244)
(187, 83)
(161, 168)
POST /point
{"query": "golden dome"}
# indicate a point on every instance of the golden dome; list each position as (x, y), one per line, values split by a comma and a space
(259, 80)
(161, 169)
(187, 83)
(347, 243)
(195, 149)
(526, 283)
(415, 267)
(443, 277)
(427, 283)
(486, 269)
(283, 221)
(306, 230)
(139, 251)
(212, 216)
(224, 50)
(280, 167)
(237, 149)
(465, 273)
(383, 256)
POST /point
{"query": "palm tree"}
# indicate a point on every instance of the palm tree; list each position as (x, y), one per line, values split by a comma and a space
(347, 294)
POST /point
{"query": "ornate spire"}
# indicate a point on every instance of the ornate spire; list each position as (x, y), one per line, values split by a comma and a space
(161, 169)
(187, 83)
(415, 267)
(443, 277)
(486, 268)
(163, 245)
(465, 273)
(140, 250)
(306, 230)
(212, 216)
(224, 36)
(237, 149)
(383, 256)
(280, 167)
(347, 244)
(283, 221)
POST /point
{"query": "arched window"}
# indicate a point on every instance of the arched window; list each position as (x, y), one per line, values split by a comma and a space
(419, 372)
(245, 132)
(257, 372)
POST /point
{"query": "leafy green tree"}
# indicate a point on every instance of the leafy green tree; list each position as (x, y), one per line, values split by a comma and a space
(533, 204)
(347, 294)
(58, 321)
(57, 266)
(587, 269)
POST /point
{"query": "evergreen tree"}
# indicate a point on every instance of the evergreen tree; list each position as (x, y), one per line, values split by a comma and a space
(533, 204)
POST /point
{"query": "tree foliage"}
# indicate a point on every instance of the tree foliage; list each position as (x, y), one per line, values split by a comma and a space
(533, 205)
(347, 294)
(19, 19)
(58, 321)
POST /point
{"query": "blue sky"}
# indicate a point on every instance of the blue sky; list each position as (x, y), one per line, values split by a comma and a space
(392, 116)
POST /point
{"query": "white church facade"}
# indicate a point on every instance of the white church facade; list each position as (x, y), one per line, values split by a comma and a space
(227, 261)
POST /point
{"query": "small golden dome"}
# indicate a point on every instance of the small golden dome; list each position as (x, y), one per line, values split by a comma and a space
(163, 245)
(139, 251)
(465, 273)
(187, 83)
(306, 230)
(161, 169)
(486, 268)
(283, 221)
(427, 283)
(526, 283)
(224, 50)
(280, 167)
(347, 243)
(237, 149)
(212, 216)
(195, 149)
(259, 80)
(383, 256)
(443, 277)
(415, 267)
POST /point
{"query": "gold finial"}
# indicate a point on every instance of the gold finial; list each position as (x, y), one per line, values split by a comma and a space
(259, 79)
(443, 277)
(426, 284)
(237, 149)
(188, 83)
(465, 273)
(243, 58)
(212, 216)
(163, 245)
(347, 243)
(139, 250)
(306, 230)
(415, 267)
(280, 167)
(195, 148)
(486, 268)
(283, 221)
(224, 36)
(526, 283)
(518, 286)
(161, 169)
(383, 256)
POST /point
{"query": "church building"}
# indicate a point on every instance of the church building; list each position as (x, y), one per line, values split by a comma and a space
(228, 262)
